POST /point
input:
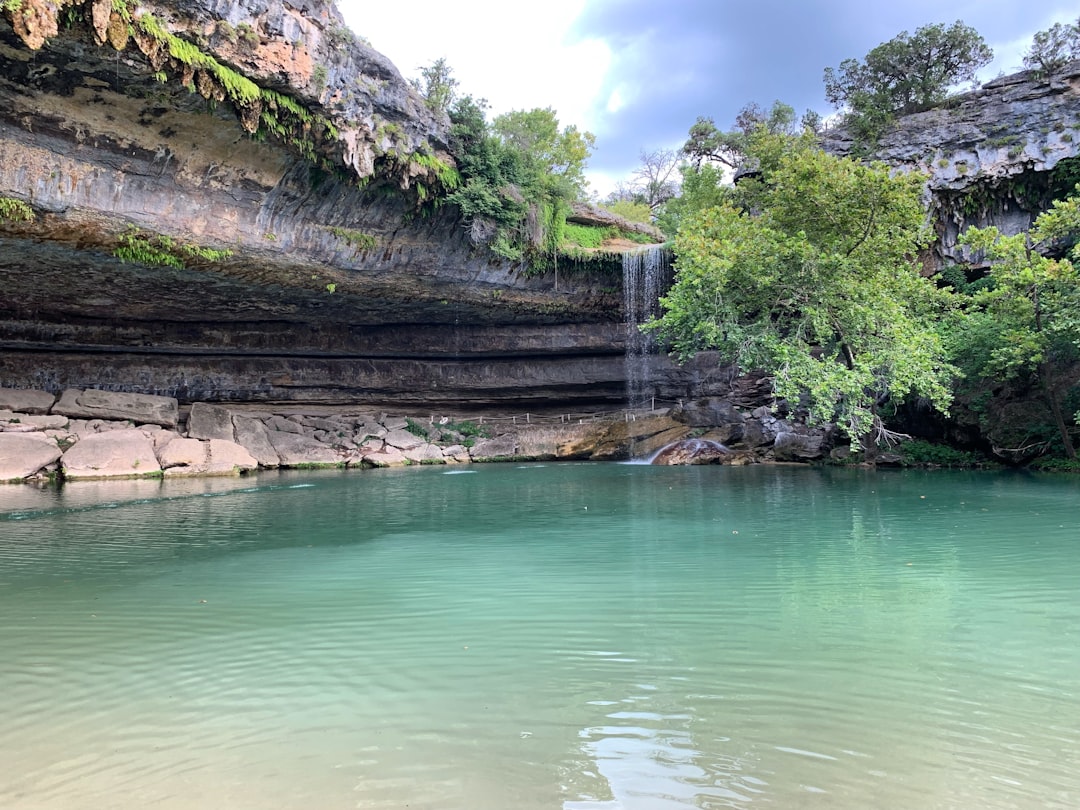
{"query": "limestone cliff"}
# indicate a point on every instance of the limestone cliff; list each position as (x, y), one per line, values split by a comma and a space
(993, 156)
(229, 202)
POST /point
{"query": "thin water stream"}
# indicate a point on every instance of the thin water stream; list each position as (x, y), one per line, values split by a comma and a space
(583, 637)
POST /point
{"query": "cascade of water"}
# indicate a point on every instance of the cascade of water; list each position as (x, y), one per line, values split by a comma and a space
(646, 275)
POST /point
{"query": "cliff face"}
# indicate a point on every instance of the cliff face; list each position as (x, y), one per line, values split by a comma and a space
(994, 156)
(269, 132)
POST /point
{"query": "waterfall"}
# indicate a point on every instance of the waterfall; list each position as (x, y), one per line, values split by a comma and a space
(646, 276)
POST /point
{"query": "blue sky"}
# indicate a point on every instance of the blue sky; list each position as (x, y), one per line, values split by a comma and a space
(637, 73)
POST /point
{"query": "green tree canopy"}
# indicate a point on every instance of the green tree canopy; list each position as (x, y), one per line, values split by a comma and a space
(1026, 321)
(819, 287)
(910, 72)
(437, 85)
(1051, 49)
(559, 153)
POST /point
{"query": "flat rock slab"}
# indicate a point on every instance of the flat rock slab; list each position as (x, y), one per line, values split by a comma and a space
(25, 401)
(116, 454)
(210, 422)
(301, 451)
(403, 440)
(183, 457)
(22, 422)
(23, 454)
(140, 408)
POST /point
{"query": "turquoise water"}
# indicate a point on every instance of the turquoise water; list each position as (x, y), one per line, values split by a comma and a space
(583, 637)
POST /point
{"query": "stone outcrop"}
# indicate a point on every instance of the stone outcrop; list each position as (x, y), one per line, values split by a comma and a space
(24, 454)
(116, 454)
(220, 440)
(333, 291)
(989, 155)
(94, 404)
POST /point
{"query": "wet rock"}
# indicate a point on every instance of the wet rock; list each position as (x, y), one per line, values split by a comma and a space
(115, 454)
(798, 447)
(692, 451)
(22, 455)
(95, 404)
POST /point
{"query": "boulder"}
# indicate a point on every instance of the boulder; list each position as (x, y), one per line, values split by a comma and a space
(186, 453)
(494, 449)
(252, 435)
(21, 422)
(403, 440)
(25, 400)
(115, 405)
(386, 457)
(184, 457)
(708, 412)
(22, 455)
(425, 453)
(283, 425)
(294, 450)
(229, 458)
(116, 454)
(692, 451)
(798, 447)
(210, 422)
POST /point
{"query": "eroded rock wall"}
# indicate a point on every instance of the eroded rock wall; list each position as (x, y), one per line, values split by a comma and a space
(990, 155)
(338, 285)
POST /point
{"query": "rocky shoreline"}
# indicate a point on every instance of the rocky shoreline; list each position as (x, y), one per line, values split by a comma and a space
(94, 434)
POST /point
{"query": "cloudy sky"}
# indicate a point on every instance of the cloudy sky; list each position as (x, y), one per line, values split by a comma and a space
(638, 73)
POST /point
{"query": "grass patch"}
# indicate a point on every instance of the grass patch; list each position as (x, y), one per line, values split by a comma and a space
(158, 250)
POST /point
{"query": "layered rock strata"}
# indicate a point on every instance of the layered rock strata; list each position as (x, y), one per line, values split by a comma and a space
(992, 156)
(173, 253)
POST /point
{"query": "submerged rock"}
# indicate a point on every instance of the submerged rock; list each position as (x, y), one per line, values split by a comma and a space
(692, 451)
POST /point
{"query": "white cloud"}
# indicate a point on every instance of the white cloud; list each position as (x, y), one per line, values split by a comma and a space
(515, 56)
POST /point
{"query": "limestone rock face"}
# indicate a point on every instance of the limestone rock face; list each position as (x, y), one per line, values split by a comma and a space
(115, 454)
(995, 141)
(185, 457)
(23, 454)
(138, 408)
(389, 313)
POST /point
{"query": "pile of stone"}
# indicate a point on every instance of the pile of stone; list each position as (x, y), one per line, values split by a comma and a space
(102, 434)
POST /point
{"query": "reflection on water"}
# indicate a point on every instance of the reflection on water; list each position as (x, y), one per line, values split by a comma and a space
(576, 636)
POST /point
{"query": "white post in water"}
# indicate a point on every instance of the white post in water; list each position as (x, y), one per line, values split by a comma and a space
(646, 274)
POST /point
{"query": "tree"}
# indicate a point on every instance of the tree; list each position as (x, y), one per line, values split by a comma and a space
(819, 288)
(708, 144)
(908, 73)
(559, 153)
(1026, 321)
(437, 85)
(1053, 48)
(656, 177)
